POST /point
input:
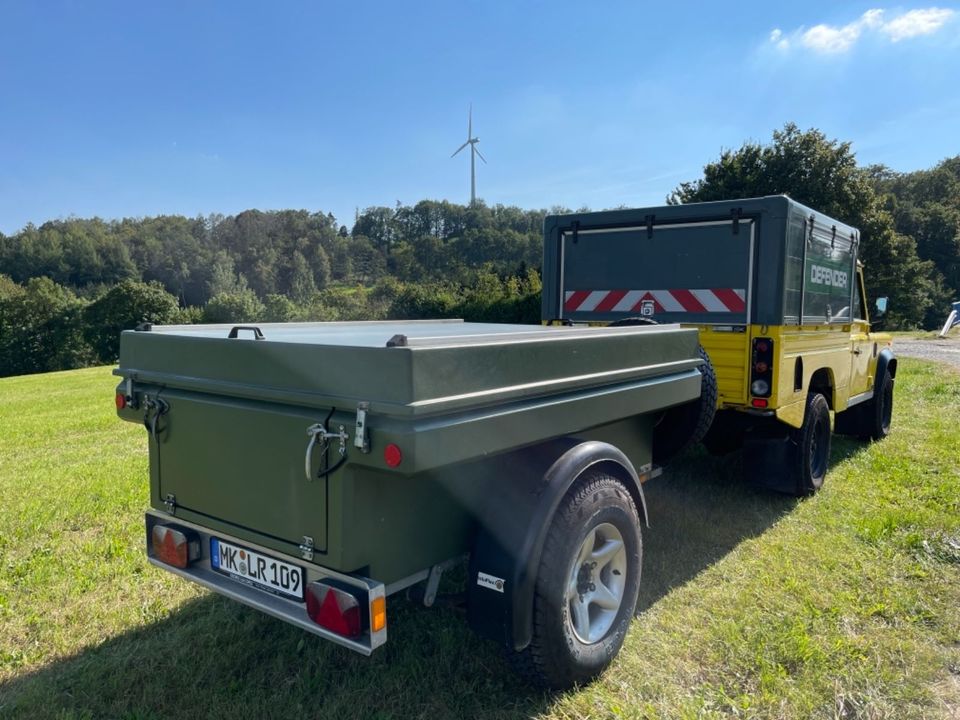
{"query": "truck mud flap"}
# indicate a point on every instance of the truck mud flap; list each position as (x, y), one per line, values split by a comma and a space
(768, 460)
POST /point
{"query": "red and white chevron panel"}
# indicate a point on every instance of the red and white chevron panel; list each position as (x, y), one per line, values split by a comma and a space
(713, 300)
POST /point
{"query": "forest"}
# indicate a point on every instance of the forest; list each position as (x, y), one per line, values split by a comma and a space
(68, 287)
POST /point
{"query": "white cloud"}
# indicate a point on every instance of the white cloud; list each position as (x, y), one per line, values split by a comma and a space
(829, 39)
(836, 39)
(916, 23)
(776, 37)
(872, 18)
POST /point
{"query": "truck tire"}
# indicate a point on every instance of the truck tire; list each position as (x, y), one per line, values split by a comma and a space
(881, 407)
(631, 321)
(813, 446)
(683, 425)
(587, 584)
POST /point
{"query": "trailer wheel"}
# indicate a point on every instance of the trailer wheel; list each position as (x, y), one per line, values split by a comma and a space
(587, 584)
(813, 445)
(882, 408)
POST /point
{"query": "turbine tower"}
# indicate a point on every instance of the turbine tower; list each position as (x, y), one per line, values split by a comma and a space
(474, 152)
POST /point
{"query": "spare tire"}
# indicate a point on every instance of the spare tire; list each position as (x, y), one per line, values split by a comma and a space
(683, 425)
(627, 322)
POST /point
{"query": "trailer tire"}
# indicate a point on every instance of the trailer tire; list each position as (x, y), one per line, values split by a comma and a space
(813, 446)
(578, 630)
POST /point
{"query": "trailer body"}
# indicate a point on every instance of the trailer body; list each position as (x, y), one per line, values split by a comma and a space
(368, 455)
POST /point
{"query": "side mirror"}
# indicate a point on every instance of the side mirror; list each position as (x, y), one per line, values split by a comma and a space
(881, 307)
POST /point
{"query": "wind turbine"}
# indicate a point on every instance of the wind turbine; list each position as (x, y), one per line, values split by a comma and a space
(474, 152)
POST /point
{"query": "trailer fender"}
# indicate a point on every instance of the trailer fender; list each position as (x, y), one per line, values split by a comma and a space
(513, 528)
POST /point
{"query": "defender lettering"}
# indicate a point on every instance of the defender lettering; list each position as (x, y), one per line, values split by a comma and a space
(828, 276)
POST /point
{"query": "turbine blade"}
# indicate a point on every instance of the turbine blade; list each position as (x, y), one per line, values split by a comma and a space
(477, 151)
(470, 123)
(460, 148)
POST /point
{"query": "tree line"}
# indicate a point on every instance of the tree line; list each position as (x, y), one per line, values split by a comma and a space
(68, 287)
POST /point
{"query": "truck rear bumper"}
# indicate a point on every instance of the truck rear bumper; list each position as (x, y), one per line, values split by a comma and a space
(292, 611)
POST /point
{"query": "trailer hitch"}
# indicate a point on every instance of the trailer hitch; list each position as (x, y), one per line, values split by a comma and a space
(321, 437)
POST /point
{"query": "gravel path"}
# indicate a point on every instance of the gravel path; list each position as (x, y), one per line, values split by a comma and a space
(941, 350)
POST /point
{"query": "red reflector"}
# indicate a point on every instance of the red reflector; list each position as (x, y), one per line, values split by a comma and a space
(174, 547)
(762, 346)
(392, 455)
(333, 609)
(761, 367)
(758, 402)
(121, 401)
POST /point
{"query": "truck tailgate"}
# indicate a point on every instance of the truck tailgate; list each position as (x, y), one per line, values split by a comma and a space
(696, 273)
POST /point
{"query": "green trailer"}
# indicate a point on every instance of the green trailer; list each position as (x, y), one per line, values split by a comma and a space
(311, 470)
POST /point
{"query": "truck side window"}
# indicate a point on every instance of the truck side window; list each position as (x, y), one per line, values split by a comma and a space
(859, 312)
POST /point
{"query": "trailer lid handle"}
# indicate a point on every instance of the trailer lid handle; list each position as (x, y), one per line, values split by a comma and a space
(257, 335)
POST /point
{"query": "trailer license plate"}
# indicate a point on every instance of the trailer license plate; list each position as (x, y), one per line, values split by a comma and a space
(260, 571)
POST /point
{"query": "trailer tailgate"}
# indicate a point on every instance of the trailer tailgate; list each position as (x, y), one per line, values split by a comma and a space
(242, 462)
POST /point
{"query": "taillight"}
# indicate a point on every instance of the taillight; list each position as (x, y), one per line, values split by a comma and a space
(761, 369)
(174, 546)
(121, 401)
(392, 455)
(335, 609)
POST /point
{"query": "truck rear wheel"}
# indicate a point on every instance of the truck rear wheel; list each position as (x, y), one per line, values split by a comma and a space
(813, 445)
(587, 584)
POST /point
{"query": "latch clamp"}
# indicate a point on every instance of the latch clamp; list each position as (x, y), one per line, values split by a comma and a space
(170, 502)
(306, 548)
(360, 439)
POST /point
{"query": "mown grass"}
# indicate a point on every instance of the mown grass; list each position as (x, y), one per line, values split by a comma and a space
(753, 605)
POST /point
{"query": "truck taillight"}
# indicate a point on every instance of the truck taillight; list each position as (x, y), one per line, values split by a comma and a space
(334, 609)
(121, 401)
(174, 546)
(761, 369)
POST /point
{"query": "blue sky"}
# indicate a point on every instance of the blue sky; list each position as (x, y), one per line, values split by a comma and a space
(127, 109)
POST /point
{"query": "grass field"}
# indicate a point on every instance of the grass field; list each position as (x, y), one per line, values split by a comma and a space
(845, 605)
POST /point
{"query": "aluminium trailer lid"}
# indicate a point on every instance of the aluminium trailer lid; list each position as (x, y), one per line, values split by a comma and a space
(403, 368)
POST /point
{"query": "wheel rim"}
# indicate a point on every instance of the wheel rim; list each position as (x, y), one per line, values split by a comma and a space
(596, 583)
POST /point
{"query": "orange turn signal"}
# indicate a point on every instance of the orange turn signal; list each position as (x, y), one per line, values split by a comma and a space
(378, 614)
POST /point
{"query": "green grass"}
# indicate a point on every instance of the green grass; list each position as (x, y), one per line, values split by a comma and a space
(753, 605)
